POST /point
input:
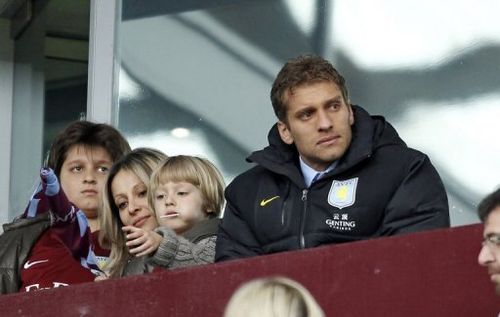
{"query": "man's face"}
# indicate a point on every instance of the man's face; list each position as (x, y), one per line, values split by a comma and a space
(318, 121)
(83, 175)
(489, 256)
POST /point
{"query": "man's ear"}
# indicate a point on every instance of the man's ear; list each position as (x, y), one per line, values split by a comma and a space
(351, 115)
(285, 133)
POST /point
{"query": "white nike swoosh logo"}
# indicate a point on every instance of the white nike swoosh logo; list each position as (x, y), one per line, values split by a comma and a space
(29, 264)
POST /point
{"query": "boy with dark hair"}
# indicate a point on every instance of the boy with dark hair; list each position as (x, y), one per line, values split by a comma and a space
(34, 250)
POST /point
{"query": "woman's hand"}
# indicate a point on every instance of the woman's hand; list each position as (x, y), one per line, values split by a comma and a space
(141, 242)
(100, 278)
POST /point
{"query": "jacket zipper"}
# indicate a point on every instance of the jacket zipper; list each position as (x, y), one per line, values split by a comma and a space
(283, 207)
(303, 219)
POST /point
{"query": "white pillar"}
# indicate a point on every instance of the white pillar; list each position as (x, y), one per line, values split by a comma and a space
(101, 103)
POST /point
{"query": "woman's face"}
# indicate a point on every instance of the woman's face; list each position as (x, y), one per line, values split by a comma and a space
(130, 194)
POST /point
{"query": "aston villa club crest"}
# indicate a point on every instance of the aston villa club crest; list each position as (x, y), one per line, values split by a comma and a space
(343, 193)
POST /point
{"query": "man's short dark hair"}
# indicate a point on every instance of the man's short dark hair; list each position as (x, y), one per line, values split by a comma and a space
(304, 69)
(90, 134)
(487, 205)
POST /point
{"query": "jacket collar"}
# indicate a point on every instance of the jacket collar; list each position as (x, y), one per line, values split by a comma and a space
(368, 133)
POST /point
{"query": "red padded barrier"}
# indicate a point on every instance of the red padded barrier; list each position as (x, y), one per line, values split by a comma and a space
(431, 273)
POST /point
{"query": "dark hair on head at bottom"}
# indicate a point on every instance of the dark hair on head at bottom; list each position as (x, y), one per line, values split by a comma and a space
(487, 205)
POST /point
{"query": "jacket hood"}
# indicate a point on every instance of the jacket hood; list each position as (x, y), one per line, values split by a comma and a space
(278, 156)
(368, 134)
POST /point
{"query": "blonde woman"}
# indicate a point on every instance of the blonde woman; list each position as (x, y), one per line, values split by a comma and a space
(187, 194)
(126, 192)
(272, 297)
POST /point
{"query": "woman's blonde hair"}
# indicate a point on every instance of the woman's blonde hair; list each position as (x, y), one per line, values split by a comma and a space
(272, 297)
(197, 171)
(140, 162)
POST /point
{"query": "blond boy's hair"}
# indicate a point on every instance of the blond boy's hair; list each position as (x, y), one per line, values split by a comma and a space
(197, 171)
(272, 297)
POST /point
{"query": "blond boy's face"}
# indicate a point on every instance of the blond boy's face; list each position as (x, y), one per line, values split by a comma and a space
(179, 206)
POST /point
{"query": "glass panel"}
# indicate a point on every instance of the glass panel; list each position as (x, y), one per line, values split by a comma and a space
(6, 92)
(65, 65)
(50, 87)
(195, 77)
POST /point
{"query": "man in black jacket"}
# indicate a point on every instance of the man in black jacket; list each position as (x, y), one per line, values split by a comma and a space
(331, 173)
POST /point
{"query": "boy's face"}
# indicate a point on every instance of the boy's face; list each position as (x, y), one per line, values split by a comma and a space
(179, 205)
(130, 196)
(83, 175)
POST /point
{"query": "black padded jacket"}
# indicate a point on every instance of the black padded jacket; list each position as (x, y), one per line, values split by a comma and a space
(16, 243)
(380, 187)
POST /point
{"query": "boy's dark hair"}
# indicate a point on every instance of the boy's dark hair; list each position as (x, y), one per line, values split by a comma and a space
(304, 69)
(487, 205)
(90, 134)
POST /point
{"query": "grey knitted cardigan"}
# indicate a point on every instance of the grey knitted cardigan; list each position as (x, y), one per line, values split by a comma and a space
(195, 247)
